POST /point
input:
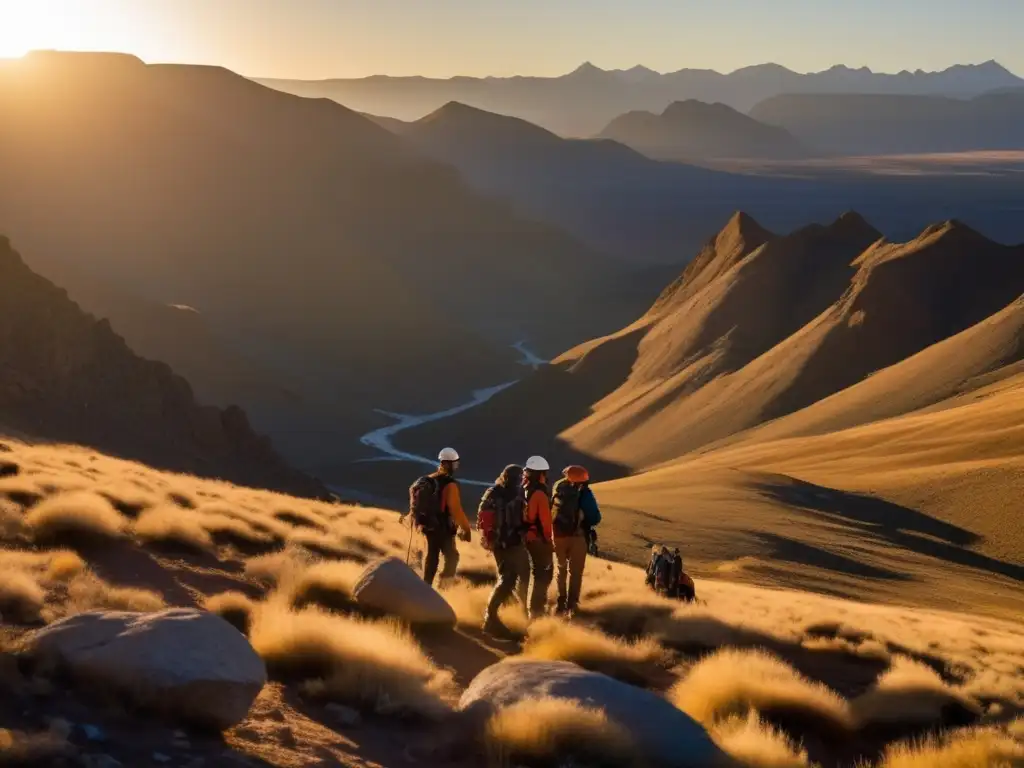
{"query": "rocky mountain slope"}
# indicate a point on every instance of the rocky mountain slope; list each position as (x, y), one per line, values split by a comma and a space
(67, 377)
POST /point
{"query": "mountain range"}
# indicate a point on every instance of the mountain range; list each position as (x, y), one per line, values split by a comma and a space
(873, 124)
(657, 213)
(584, 101)
(832, 381)
(311, 242)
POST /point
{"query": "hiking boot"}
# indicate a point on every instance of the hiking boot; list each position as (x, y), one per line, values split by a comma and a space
(494, 627)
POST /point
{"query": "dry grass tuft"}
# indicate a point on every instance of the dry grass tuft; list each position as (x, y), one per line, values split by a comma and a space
(276, 567)
(128, 499)
(235, 608)
(373, 665)
(88, 592)
(64, 565)
(627, 614)
(551, 731)
(735, 683)
(911, 694)
(301, 519)
(173, 527)
(326, 546)
(20, 490)
(328, 584)
(236, 532)
(21, 597)
(632, 662)
(976, 748)
(755, 744)
(24, 749)
(76, 515)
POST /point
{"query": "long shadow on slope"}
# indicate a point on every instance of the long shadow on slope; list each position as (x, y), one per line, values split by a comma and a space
(891, 523)
(785, 549)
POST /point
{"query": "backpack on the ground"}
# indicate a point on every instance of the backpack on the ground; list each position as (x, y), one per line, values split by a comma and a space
(425, 505)
(500, 517)
(566, 514)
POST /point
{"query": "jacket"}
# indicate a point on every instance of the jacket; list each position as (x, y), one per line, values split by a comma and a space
(538, 516)
(588, 506)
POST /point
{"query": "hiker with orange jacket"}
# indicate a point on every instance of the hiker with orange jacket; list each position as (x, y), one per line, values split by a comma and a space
(436, 508)
(539, 536)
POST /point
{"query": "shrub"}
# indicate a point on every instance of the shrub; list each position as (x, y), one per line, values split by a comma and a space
(75, 515)
(734, 683)
(328, 584)
(234, 607)
(173, 527)
(556, 732)
(977, 748)
(555, 640)
(21, 597)
(377, 666)
(755, 744)
(88, 592)
(910, 693)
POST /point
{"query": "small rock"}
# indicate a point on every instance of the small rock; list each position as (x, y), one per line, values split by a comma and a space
(160, 757)
(181, 744)
(345, 716)
(93, 733)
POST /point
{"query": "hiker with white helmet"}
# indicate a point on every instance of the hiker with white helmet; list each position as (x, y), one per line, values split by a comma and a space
(435, 505)
(539, 537)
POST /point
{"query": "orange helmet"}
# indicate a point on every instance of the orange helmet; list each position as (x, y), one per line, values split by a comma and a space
(576, 474)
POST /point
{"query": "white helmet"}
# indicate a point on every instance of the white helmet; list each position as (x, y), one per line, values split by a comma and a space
(448, 454)
(537, 464)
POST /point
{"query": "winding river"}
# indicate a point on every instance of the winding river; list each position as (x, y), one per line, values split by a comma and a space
(382, 439)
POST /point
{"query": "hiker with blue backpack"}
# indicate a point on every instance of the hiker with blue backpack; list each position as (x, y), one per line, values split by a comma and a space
(435, 506)
(500, 521)
(574, 515)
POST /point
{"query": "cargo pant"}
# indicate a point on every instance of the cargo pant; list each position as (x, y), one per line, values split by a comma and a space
(541, 571)
(440, 543)
(570, 559)
(513, 577)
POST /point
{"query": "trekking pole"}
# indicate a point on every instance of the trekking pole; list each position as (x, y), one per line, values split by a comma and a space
(408, 554)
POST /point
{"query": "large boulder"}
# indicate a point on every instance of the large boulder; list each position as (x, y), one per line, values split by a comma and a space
(391, 587)
(190, 664)
(664, 734)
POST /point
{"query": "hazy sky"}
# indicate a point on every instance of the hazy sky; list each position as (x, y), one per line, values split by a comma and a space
(352, 38)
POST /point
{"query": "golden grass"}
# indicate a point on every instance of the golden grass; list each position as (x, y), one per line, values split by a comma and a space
(12, 525)
(328, 584)
(171, 526)
(735, 683)
(976, 748)
(376, 666)
(88, 592)
(273, 567)
(64, 565)
(235, 608)
(75, 514)
(910, 693)
(755, 744)
(550, 731)
(21, 597)
(24, 749)
(555, 640)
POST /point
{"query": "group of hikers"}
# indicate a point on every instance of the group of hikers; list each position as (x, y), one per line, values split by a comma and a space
(534, 532)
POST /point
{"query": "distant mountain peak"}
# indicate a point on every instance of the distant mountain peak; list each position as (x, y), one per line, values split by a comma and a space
(586, 69)
(744, 226)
